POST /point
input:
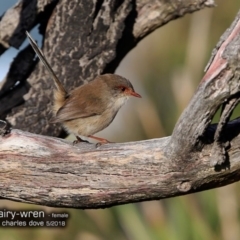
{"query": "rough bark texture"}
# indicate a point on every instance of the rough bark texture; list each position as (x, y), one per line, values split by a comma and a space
(50, 171)
(220, 84)
(83, 39)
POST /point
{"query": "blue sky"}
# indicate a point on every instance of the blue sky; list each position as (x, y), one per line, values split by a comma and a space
(7, 57)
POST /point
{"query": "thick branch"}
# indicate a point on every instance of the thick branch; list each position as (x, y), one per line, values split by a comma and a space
(220, 83)
(16, 20)
(49, 171)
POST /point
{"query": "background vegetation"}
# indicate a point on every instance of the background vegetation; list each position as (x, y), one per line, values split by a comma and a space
(165, 69)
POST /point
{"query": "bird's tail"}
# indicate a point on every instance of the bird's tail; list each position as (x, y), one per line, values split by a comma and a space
(60, 94)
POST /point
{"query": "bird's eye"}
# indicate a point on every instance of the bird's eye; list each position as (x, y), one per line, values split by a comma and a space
(123, 89)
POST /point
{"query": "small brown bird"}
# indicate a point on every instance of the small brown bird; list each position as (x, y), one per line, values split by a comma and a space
(91, 107)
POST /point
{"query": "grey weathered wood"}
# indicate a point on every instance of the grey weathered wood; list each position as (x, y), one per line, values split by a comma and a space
(220, 83)
(50, 171)
(21, 17)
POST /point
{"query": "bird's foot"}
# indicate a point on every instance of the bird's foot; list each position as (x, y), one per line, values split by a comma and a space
(78, 140)
(101, 140)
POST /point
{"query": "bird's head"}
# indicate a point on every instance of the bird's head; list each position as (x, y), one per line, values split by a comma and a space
(119, 86)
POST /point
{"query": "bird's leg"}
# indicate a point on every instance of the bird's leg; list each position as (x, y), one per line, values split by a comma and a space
(218, 152)
(78, 140)
(101, 140)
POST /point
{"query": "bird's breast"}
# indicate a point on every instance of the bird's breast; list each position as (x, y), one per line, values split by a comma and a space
(93, 124)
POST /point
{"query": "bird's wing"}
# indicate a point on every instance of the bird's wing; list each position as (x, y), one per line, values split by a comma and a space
(78, 107)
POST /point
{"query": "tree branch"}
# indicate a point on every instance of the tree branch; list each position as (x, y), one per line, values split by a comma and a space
(50, 171)
(220, 84)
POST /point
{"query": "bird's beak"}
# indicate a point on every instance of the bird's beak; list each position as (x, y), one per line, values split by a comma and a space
(134, 94)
